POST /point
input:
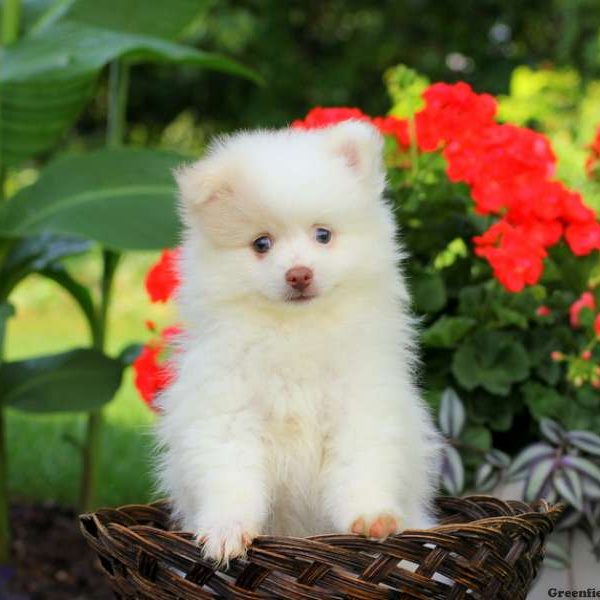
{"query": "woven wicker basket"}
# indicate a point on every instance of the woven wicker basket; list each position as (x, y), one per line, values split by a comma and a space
(484, 549)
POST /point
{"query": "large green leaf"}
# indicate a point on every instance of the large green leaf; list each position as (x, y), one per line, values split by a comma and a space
(544, 401)
(492, 360)
(123, 198)
(33, 254)
(429, 292)
(159, 18)
(447, 331)
(79, 380)
(48, 77)
(6, 312)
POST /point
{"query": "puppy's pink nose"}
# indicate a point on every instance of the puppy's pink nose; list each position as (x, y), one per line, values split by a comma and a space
(299, 277)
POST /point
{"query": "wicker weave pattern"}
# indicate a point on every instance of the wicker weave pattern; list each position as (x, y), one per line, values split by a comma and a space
(484, 548)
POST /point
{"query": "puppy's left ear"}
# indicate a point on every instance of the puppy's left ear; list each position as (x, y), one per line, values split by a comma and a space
(359, 145)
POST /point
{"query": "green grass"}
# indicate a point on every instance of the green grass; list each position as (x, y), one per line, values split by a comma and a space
(44, 461)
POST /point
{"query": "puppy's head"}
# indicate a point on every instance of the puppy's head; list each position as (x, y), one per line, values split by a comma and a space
(287, 216)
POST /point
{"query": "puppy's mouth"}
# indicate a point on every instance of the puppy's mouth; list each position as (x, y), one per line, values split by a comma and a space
(301, 298)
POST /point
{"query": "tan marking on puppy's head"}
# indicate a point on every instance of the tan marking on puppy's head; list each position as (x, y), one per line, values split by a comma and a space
(360, 146)
(211, 198)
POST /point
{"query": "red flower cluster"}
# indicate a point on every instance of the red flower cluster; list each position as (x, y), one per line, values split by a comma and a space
(152, 371)
(509, 170)
(586, 300)
(162, 279)
(592, 163)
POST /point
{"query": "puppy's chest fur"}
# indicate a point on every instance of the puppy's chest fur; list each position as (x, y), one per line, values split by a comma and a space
(298, 394)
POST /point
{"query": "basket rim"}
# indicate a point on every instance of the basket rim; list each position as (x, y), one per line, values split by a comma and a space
(498, 553)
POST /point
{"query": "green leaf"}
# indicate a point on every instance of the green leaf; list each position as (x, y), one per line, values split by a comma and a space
(543, 401)
(34, 253)
(7, 310)
(574, 270)
(429, 293)
(159, 18)
(447, 331)
(80, 294)
(507, 316)
(477, 436)
(492, 360)
(79, 380)
(405, 87)
(41, 250)
(72, 50)
(47, 79)
(121, 198)
(128, 355)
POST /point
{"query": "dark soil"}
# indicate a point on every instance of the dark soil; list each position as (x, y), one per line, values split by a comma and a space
(51, 560)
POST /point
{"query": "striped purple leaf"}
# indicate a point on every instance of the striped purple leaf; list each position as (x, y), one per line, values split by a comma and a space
(568, 484)
(528, 458)
(538, 478)
(585, 440)
(453, 471)
(451, 416)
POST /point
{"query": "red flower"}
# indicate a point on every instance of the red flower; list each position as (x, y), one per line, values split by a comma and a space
(543, 311)
(574, 210)
(501, 163)
(152, 375)
(516, 258)
(592, 162)
(509, 170)
(597, 325)
(162, 278)
(583, 238)
(586, 300)
(451, 112)
(395, 127)
(323, 117)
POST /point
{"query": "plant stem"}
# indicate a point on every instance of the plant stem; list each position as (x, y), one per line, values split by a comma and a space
(4, 503)
(4, 507)
(118, 87)
(115, 130)
(413, 150)
(11, 16)
(93, 438)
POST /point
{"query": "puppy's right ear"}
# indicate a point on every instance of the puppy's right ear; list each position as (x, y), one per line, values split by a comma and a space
(200, 184)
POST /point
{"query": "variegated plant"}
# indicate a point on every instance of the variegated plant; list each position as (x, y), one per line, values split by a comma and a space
(492, 464)
(563, 467)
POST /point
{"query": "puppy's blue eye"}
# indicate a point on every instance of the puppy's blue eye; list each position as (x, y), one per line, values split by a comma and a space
(322, 235)
(262, 244)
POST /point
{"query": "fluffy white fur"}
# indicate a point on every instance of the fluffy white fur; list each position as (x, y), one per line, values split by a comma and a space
(289, 417)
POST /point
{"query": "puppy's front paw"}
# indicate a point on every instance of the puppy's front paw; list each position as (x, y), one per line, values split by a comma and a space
(224, 543)
(377, 525)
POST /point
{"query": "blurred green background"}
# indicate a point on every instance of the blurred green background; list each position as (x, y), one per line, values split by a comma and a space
(316, 52)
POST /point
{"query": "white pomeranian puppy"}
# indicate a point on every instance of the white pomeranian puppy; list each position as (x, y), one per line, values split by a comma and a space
(293, 410)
